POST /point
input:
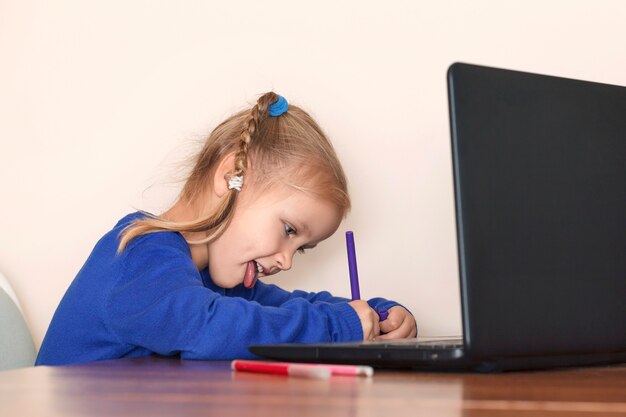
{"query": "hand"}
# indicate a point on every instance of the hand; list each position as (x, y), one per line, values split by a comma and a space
(399, 324)
(369, 319)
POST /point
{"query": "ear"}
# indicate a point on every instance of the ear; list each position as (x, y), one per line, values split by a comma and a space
(220, 178)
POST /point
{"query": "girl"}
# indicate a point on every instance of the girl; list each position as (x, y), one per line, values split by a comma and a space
(266, 184)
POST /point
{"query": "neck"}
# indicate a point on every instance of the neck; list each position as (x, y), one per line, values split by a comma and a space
(183, 211)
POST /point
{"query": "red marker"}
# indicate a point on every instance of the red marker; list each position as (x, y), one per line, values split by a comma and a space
(306, 370)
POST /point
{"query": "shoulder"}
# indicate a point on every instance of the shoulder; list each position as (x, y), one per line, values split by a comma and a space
(152, 249)
(159, 254)
(165, 241)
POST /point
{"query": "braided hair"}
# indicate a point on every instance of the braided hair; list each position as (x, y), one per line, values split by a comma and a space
(289, 149)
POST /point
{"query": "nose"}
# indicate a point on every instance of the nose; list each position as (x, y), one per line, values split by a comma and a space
(284, 260)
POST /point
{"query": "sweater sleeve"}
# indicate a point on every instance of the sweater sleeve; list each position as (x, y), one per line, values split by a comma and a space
(272, 295)
(159, 303)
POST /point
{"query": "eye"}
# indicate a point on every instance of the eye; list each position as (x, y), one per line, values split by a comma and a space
(289, 230)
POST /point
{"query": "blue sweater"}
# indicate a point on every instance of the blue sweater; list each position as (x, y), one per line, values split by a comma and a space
(152, 299)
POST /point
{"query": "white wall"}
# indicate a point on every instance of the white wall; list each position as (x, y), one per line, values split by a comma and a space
(99, 100)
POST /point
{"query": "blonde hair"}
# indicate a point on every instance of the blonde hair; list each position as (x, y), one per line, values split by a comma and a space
(288, 149)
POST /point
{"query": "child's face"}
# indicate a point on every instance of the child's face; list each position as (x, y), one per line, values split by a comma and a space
(266, 232)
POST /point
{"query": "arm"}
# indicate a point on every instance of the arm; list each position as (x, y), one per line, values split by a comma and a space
(164, 307)
(272, 295)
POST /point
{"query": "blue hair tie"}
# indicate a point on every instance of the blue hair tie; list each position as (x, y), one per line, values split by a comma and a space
(279, 107)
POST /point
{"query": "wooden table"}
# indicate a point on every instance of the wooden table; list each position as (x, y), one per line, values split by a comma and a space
(170, 387)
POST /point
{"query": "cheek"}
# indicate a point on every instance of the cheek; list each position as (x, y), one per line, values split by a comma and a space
(250, 235)
(232, 247)
(255, 235)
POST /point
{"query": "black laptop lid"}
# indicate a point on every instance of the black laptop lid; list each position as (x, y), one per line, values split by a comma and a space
(540, 183)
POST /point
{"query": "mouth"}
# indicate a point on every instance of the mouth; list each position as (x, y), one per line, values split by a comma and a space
(251, 275)
(254, 270)
(261, 270)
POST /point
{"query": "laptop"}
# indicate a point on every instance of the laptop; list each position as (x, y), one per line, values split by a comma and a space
(540, 197)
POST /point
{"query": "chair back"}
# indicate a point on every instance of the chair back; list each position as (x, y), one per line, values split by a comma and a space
(17, 349)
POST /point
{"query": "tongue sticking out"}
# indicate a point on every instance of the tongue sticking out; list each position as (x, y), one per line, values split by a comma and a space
(249, 279)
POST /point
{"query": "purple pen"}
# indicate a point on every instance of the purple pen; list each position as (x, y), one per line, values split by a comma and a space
(354, 273)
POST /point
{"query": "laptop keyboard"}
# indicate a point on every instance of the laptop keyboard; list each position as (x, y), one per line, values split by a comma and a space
(417, 343)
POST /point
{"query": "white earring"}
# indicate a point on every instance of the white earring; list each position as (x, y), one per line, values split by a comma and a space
(235, 183)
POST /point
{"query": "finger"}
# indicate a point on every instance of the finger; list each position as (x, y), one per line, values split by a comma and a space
(392, 323)
(396, 334)
(376, 329)
(405, 330)
(414, 328)
(387, 326)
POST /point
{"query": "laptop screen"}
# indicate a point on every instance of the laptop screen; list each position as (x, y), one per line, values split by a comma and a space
(540, 184)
